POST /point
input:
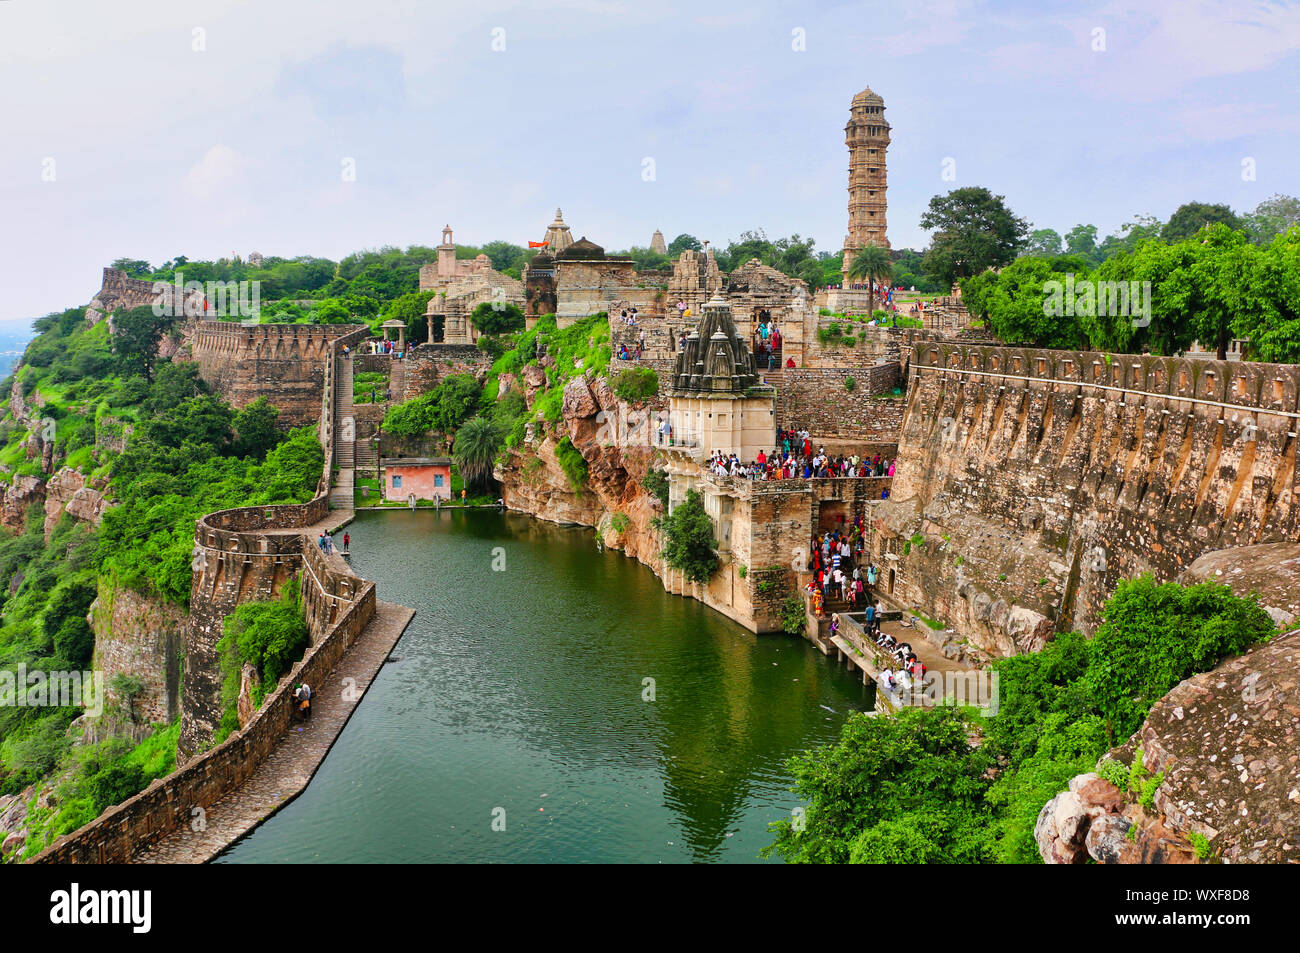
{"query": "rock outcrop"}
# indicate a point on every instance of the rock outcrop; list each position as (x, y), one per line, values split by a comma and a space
(68, 491)
(1225, 746)
(17, 497)
(140, 637)
(612, 500)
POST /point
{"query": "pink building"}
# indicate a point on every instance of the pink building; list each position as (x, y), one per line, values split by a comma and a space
(425, 477)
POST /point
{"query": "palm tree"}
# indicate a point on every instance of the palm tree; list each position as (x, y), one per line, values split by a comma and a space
(871, 264)
(477, 443)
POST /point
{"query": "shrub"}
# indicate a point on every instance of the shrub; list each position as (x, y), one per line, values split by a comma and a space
(656, 482)
(794, 618)
(849, 384)
(689, 539)
(270, 636)
(572, 463)
(636, 383)
(1156, 635)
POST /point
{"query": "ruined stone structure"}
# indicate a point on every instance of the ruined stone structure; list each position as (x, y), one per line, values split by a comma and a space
(1030, 481)
(695, 280)
(867, 136)
(588, 281)
(119, 292)
(460, 286)
(282, 362)
(539, 288)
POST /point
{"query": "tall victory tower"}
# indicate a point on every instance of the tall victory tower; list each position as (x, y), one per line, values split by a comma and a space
(867, 136)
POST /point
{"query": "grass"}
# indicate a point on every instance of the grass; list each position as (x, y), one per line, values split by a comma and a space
(932, 623)
(366, 382)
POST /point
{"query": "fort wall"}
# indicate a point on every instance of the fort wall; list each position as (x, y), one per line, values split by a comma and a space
(1030, 481)
(241, 554)
(282, 362)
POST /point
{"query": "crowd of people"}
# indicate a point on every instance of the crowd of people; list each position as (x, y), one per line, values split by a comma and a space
(767, 345)
(842, 571)
(795, 459)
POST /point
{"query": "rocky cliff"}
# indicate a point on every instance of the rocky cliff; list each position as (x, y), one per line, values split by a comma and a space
(1222, 750)
(617, 457)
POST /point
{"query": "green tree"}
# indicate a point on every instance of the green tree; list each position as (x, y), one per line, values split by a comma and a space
(136, 334)
(812, 271)
(477, 444)
(974, 230)
(1020, 306)
(681, 243)
(871, 264)
(1272, 217)
(495, 317)
(1082, 240)
(689, 539)
(1191, 217)
(1272, 300)
(1044, 242)
(906, 789)
(134, 267)
(255, 429)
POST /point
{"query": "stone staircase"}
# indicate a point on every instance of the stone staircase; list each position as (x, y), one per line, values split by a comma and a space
(396, 381)
(365, 455)
(345, 429)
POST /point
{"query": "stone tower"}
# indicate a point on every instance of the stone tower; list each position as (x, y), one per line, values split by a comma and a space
(558, 237)
(867, 136)
(657, 243)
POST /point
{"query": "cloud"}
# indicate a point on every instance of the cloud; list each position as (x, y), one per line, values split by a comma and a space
(216, 175)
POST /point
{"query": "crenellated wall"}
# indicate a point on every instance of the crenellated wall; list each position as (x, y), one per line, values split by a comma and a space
(1029, 481)
(282, 362)
(247, 554)
(240, 555)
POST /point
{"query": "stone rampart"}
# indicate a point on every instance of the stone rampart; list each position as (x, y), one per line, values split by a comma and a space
(818, 400)
(240, 555)
(282, 362)
(1038, 479)
(244, 554)
(170, 803)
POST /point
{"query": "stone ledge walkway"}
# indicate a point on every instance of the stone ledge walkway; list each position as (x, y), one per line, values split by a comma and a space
(286, 772)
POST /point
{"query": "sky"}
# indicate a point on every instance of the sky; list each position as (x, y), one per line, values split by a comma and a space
(155, 128)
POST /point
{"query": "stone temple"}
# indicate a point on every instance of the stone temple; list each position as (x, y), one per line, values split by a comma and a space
(867, 136)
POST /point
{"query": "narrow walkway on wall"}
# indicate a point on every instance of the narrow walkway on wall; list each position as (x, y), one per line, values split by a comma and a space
(345, 433)
(285, 773)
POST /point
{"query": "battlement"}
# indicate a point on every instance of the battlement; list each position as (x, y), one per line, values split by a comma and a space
(1052, 474)
(1231, 385)
(285, 363)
